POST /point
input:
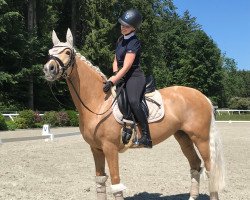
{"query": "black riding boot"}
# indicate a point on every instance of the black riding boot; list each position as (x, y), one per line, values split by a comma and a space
(145, 139)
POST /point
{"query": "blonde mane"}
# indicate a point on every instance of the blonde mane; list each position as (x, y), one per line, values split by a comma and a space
(96, 68)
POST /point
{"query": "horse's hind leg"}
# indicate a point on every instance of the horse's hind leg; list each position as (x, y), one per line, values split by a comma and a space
(188, 150)
(203, 146)
(101, 177)
(210, 148)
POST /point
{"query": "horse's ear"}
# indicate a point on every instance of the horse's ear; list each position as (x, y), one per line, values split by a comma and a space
(69, 37)
(55, 38)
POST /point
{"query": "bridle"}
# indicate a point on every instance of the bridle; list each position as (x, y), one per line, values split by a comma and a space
(61, 64)
(67, 76)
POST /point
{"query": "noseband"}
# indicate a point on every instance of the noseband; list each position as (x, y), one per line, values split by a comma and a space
(59, 61)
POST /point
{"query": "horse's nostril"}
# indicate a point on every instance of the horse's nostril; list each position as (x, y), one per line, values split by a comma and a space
(51, 67)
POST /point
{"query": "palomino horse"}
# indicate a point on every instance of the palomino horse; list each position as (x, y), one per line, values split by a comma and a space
(188, 116)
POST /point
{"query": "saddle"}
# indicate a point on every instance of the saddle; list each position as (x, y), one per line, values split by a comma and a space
(152, 105)
(123, 104)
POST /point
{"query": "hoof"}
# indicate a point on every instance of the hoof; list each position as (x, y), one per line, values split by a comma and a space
(214, 196)
(118, 196)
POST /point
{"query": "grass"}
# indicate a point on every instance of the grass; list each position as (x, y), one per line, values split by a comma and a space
(233, 117)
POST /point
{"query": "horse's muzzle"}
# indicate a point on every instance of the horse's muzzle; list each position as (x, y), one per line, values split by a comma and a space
(51, 71)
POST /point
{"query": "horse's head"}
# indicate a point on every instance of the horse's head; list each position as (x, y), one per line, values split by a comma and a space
(61, 57)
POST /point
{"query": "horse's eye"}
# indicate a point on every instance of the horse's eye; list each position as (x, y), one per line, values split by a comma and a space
(67, 52)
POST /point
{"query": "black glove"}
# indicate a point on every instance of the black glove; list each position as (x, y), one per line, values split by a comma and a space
(120, 82)
(107, 86)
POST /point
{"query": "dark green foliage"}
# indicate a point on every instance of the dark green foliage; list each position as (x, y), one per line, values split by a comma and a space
(239, 103)
(73, 118)
(29, 117)
(3, 125)
(25, 119)
(245, 86)
(11, 125)
(175, 50)
(9, 107)
(235, 83)
(37, 117)
(50, 118)
(21, 123)
(63, 118)
(38, 120)
(39, 125)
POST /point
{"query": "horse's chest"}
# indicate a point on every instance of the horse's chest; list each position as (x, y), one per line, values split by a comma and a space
(91, 134)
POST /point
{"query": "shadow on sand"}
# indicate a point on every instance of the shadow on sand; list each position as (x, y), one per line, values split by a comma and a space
(158, 196)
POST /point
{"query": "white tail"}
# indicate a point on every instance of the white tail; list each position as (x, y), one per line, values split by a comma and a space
(217, 171)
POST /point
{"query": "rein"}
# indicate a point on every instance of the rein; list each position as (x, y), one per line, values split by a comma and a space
(87, 106)
(66, 76)
(56, 97)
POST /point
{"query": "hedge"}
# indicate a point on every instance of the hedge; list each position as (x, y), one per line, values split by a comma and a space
(3, 125)
(30, 119)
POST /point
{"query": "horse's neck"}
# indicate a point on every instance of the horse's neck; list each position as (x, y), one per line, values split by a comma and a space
(88, 84)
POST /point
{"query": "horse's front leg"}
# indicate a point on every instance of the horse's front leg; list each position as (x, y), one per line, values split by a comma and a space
(101, 177)
(111, 154)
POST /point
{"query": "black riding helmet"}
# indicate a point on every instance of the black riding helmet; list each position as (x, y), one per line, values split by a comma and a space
(132, 18)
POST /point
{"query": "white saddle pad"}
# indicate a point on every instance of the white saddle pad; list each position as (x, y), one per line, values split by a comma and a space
(155, 113)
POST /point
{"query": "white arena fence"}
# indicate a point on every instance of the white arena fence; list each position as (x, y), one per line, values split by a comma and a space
(13, 115)
(216, 111)
(230, 112)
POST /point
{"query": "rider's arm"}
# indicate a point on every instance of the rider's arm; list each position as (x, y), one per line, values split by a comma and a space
(128, 61)
(115, 66)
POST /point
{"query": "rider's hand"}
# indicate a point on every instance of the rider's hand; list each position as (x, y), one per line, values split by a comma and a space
(120, 82)
(107, 86)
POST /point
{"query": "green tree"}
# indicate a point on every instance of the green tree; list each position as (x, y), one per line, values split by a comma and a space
(245, 76)
(12, 40)
(23, 51)
(175, 49)
(233, 84)
(192, 57)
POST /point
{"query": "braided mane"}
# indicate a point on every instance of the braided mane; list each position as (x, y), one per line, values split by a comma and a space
(96, 68)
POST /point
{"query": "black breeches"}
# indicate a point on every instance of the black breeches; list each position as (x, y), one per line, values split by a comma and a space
(135, 88)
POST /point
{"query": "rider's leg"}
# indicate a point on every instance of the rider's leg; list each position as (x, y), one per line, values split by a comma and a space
(135, 87)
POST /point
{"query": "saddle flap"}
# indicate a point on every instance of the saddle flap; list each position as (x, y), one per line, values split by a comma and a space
(156, 112)
(123, 103)
(125, 108)
(150, 84)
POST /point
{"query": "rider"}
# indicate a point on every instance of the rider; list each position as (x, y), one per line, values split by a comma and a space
(127, 59)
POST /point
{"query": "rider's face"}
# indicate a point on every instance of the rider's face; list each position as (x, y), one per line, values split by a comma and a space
(126, 29)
